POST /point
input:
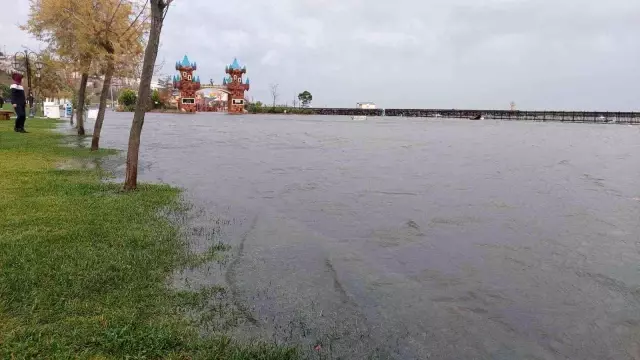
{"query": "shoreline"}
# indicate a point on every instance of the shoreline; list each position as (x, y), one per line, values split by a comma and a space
(86, 267)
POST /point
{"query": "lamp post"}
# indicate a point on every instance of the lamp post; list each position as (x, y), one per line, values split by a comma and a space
(25, 61)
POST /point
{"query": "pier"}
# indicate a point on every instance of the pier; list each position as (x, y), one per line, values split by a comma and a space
(562, 116)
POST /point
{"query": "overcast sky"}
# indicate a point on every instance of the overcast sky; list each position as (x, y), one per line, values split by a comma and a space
(542, 54)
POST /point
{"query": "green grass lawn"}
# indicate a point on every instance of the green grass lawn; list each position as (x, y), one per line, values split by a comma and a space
(84, 267)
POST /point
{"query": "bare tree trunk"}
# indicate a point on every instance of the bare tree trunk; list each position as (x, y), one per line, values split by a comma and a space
(144, 92)
(72, 113)
(81, 96)
(95, 140)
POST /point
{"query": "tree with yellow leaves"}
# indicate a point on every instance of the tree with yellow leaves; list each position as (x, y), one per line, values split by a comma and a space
(121, 43)
(87, 32)
(50, 81)
(52, 22)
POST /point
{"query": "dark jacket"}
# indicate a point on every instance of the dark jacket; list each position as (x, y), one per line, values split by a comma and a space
(17, 95)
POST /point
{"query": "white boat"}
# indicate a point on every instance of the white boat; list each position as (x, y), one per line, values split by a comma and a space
(359, 118)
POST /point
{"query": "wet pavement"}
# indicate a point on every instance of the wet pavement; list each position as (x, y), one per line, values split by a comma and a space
(413, 238)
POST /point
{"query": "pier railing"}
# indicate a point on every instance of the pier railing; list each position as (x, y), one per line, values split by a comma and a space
(563, 116)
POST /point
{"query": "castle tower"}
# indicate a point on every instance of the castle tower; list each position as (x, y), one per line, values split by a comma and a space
(236, 87)
(187, 83)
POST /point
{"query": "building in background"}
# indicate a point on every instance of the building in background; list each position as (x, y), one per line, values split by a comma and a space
(157, 83)
(187, 83)
(366, 105)
(212, 98)
(236, 87)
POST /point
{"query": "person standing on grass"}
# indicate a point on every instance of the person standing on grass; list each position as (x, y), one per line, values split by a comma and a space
(19, 102)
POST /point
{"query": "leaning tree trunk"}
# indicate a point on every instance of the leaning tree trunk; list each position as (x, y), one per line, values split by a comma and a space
(81, 96)
(95, 140)
(144, 93)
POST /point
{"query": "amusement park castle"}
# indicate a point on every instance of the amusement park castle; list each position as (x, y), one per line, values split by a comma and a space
(194, 96)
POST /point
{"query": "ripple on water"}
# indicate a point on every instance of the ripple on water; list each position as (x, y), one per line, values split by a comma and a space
(415, 238)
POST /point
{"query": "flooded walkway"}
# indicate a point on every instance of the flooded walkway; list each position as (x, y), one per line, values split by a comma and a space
(412, 238)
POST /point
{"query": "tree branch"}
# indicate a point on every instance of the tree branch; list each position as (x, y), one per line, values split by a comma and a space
(113, 16)
(164, 6)
(140, 25)
(137, 17)
(73, 14)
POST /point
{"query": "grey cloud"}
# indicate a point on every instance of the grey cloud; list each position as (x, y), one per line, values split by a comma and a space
(11, 37)
(411, 53)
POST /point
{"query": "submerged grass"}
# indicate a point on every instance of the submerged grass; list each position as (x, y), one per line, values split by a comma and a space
(84, 267)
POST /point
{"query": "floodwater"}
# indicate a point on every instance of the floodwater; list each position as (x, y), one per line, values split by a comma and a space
(398, 238)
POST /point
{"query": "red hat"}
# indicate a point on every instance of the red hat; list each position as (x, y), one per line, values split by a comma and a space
(17, 78)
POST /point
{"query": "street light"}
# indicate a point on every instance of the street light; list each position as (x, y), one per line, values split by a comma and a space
(23, 62)
(39, 66)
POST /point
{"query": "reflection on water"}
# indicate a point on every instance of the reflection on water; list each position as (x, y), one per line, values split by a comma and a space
(413, 238)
